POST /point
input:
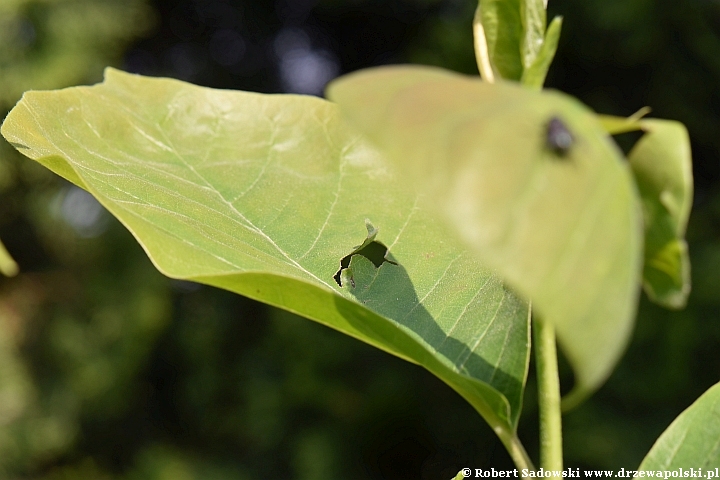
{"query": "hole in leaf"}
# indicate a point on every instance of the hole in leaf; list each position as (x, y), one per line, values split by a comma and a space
(374, 251)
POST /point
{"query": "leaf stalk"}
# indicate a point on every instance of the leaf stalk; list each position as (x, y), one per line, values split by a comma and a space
(516, 450)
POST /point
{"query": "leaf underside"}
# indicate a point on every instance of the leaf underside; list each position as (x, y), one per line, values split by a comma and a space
(263, 195)
(563, 227)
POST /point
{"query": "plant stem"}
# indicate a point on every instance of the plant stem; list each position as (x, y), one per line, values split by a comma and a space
(515, 449)
(548, 395)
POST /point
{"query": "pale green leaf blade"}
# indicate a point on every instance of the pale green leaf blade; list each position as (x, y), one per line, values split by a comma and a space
(662, 164)
(502, 30)
(534, 75)
(563, 229)
(264, 195)
(692, 440)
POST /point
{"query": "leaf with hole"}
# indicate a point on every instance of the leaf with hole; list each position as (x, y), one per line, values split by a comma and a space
(265, 195)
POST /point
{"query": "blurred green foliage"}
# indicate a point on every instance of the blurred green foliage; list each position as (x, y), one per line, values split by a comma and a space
(71, 341)
(54, 43)
(110, 371)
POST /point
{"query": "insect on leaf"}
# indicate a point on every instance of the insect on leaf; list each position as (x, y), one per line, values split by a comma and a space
(559, 139)
(565, 234)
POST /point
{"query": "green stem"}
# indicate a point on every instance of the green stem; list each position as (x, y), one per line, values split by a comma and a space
(515, 449)
(548, 396)
(520, 457)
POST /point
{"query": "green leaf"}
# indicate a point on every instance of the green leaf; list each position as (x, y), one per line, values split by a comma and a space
(535, 73)
(8, 267)
(499, 36)
(563, 227)
(511, 42)
(692, 440)
(662, 165)
(533, 18)
(265, 195)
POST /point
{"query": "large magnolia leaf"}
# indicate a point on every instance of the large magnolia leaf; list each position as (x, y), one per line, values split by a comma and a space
(264, 195)
(691, 441)
(531, 182)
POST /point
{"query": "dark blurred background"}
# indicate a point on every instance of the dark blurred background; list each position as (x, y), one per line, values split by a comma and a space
(110, 371)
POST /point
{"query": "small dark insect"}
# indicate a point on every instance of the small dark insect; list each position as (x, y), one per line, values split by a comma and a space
(558, 138)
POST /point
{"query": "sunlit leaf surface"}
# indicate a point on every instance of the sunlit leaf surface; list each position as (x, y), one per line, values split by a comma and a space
(265, 195)
(531, 182)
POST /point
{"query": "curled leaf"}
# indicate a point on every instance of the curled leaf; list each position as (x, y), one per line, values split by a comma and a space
(662, 165)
